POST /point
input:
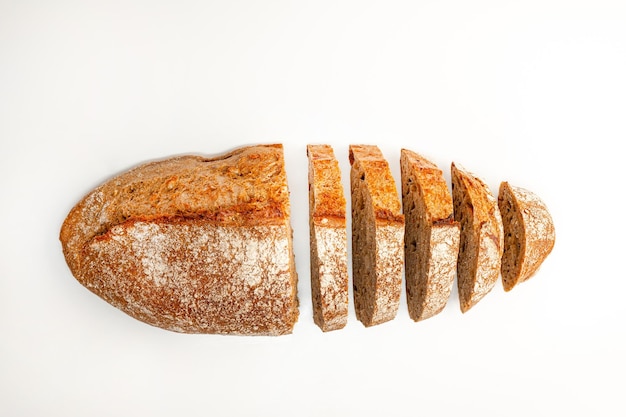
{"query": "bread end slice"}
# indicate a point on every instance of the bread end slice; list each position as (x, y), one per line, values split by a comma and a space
(528, 234)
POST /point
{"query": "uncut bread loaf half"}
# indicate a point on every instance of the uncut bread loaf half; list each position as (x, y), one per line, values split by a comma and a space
(192, 244)
(328, 239)
(528, 234)
(480, 251)
(377, 236)
(431, 237)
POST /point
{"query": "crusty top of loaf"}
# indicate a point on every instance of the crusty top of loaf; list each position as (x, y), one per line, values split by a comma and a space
(245, 186)
(381, 185)
(485, 205)
(328, 198)
(437, 197)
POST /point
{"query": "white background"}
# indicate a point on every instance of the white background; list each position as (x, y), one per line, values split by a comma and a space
(532, 92)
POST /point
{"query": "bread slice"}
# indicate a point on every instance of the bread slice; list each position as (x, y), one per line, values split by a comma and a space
(377, 236)
(480, 251)
(528, 234)
(192, 244)
(431, 236)
(328, 239)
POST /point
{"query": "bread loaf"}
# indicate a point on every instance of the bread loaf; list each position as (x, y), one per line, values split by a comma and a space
(192, 244)
(431, 238)
(481, 247)
(528, 234)
(377, 236)
(328, 239)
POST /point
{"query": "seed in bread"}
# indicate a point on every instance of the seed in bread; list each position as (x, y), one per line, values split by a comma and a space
(528, 234)
(480, 251)
(377, 236)
(431, 238)
(328, 239)
(192, 244)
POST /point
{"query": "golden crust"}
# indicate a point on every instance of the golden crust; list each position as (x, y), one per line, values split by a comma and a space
(380, 183)
(158, 205)
(437, 197)
(325, 182)
(244, 187)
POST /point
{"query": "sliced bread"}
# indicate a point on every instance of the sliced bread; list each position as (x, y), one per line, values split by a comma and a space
(377, 236)
(481, 247)
(528, 234)
(431, 238)
(328, 239)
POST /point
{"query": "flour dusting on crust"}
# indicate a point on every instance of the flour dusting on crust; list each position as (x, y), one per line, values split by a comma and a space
(169, 272)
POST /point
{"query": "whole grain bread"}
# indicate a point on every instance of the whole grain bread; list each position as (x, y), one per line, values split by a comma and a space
(328, 239)
(431, 238)
(192, 244)
(481, 247)
(377, 236)
(528, 234)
